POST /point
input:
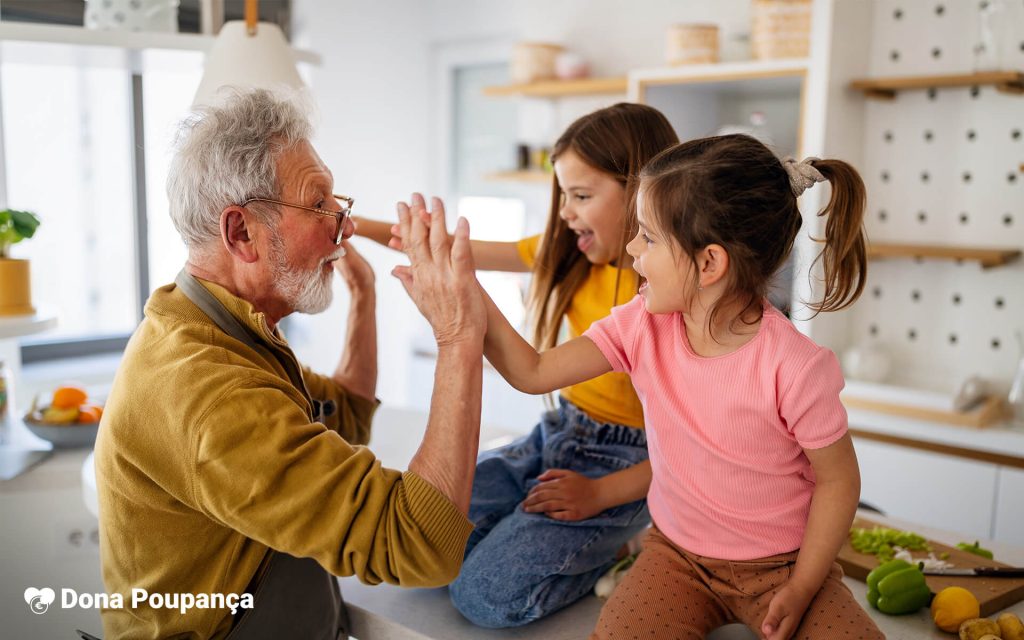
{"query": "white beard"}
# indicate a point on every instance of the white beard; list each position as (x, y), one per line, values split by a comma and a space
(305, 292)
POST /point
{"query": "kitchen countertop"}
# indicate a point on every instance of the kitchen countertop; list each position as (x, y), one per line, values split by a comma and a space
(384, 612)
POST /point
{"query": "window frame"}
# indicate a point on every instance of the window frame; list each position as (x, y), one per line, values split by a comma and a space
(41, 350)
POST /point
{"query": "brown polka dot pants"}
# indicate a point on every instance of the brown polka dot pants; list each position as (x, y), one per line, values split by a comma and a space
(670, 594)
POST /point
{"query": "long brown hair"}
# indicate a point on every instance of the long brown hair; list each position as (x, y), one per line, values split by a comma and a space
(734, 192)
(617, 140)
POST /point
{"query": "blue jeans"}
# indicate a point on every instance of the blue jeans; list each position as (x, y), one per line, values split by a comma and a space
(520, 566)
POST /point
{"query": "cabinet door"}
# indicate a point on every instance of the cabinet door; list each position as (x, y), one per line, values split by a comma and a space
(1009, 516)
(937, 490)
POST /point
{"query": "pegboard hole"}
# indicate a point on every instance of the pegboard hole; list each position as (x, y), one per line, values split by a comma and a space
(922, 217)
(1000, 303)
(925, 177)
(933, 93)
(877, 292)
(885, 176)
(971, 134)
(912, 334)
(957, 299)
(915, 295)
(1008, 219)
(873, 329)
(928, 135)
(936, 52)
(888, 136)
(967, 176)
(940, 9)
(883, 215)
(1015, 134)
(996, 343)
(975, 92)
(1011, 177)
(953, 338)
(964, 218)
(897, 14)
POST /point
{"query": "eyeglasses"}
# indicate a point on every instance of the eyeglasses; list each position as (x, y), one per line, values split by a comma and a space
(340, 216)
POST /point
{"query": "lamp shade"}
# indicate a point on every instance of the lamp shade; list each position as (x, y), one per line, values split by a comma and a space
(262, 59)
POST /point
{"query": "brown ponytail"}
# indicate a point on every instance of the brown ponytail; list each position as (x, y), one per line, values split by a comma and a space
(844, 257)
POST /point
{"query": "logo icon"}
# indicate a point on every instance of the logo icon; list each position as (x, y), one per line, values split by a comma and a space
(39, 599)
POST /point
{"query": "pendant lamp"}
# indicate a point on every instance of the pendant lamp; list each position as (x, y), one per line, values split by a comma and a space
(247, 54)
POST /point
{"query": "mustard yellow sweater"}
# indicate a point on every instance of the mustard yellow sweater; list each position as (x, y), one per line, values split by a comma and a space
(207, 457)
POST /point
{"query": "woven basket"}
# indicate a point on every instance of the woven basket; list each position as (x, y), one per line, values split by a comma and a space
(780, 28)
(691, 44)
(533, 61)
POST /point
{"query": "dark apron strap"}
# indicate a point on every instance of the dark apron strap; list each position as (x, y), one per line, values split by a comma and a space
(296, 597)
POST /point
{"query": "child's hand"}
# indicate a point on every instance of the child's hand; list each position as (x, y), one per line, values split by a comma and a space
(785, 611)
(395, 242)
(565, 495)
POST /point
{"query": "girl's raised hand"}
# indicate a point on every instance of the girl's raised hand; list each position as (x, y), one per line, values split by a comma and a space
(565, 495)
(417, 204)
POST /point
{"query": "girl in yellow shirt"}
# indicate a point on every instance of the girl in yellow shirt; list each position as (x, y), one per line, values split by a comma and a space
(553, 508)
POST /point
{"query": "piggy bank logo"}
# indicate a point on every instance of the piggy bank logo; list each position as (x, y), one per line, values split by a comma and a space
(39, 599)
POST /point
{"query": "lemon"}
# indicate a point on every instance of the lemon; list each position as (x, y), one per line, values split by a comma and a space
(952, 606)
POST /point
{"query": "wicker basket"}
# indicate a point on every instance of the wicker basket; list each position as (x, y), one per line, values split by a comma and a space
(692, 44)
(533, 61)
(780, 29)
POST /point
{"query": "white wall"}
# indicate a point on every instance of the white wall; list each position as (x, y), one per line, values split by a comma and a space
(379, 129)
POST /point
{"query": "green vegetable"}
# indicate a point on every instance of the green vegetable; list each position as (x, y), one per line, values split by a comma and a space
(880, 540)
(897, 587)
(15, 226)
(975, 548)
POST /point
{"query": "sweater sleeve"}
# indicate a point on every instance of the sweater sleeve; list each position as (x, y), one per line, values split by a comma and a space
(347, 413)
(615, 334)
(810, 405)
(261, 468)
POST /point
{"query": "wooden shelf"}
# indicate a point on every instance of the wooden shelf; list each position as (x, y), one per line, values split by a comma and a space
(560, 88)
(536, 177)
(987, 257)
(129, 40)
(887, 88)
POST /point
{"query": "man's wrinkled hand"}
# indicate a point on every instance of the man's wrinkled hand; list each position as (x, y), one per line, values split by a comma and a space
(355, 270)
(441, 278)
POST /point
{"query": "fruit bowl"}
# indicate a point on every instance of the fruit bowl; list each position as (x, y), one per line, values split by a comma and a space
(67, 436)
(68, 420)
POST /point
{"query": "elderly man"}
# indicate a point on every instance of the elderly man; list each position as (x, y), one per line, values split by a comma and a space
(224, 466)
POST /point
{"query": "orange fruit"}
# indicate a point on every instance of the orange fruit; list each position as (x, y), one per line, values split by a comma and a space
(68, 397)
(90, 413)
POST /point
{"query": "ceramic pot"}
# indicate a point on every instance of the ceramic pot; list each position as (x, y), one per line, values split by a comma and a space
(15, 289)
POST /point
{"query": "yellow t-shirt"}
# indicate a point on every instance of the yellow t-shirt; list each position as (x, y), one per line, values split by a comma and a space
(610, 397)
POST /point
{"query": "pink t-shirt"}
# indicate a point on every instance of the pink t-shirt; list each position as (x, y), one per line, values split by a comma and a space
(726, 434)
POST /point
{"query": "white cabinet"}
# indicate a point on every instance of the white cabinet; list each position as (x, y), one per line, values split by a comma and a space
(943, 491)
(1009, 525)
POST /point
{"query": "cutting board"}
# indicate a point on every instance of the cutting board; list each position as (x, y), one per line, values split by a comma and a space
(994, 594)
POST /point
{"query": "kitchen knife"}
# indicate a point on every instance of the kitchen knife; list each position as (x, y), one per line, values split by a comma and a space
(985, 572)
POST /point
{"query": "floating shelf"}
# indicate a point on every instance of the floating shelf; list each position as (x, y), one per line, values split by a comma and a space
(128, 40)
(537, 177)
(987, 257)
(887, 88)
(560, 88)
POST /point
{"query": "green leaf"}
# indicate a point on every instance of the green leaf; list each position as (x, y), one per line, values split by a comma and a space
(25, 223)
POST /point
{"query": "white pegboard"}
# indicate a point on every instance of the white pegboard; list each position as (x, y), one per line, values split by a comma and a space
(943, 167)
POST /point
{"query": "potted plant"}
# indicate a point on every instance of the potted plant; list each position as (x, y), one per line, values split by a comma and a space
(15, 292)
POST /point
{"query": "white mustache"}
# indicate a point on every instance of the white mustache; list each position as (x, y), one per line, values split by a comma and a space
(337, 255)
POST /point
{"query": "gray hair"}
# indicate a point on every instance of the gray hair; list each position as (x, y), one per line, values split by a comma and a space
(226, 154)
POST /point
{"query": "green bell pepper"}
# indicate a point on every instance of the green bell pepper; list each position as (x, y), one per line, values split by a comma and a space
(975, 548)
(897, 587)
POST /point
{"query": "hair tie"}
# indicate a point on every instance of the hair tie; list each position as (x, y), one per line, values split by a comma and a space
(802, 175)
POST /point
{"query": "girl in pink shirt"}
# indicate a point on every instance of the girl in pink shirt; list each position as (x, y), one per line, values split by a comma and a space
(755, 480)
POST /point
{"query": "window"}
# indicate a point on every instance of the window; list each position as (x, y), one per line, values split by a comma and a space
(72, 121)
